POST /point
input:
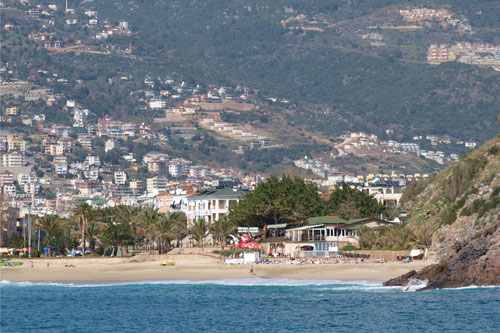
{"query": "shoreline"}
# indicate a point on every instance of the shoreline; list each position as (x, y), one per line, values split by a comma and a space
(95, 271)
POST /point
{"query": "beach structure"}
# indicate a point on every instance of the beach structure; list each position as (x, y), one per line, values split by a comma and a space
(319, 236)
(213, 203)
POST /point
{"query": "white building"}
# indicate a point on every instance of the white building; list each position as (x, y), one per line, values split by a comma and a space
(110, 145)
(212, 204)
(157, 104)
(9, 189)
(13, 159)
(61, 168)
(197, 171)
(23, 179)
(31, 188)
(91, 174)
(120, 177)
(93, 160)
(156, 184)
(178, 167)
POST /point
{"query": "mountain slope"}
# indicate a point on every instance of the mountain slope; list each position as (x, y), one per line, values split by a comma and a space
(356, 86)
(462, 205)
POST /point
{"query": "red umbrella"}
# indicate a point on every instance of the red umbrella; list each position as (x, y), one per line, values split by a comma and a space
(249, 245)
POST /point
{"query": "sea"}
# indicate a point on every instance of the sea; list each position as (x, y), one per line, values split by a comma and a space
(245, 305)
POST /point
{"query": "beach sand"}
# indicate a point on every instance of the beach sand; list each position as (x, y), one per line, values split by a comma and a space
(108, 270)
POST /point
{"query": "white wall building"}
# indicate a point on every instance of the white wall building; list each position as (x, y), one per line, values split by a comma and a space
(212, 204)
(120, 177)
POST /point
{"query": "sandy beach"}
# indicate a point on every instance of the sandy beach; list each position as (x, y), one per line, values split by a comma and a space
(109, 270)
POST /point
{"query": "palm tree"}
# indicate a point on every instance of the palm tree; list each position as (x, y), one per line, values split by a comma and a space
(163, 230)
(149, 216)
(49, 224)
(131, 216)
(199, 229)
(180, 226)
(423, 236)
(404, 238)
(92, 230)
(222, 228)
(82, 213)
(367, 237)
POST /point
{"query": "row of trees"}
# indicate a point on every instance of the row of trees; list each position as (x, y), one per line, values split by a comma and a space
(399, 237)
(121, 226)
(292, 199)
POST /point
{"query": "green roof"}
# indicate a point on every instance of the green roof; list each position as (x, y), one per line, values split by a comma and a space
(212, 193)
(356, 227)
(358, 220)
(326, 220)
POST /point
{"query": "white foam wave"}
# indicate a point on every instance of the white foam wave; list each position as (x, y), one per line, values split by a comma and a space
(415, 285)
(226, 282)
(322, 284)
(470, 287)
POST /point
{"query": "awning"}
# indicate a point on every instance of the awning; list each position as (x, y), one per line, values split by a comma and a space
(306, 227)
(277, 226)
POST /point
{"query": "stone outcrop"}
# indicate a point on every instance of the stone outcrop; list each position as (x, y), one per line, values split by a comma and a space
(461, 205)
(475, 261)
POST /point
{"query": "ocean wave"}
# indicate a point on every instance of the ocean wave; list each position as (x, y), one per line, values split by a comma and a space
(225, 282)
(319, 284)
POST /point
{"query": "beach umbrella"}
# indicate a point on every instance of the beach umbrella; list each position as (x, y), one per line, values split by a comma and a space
(249, 245)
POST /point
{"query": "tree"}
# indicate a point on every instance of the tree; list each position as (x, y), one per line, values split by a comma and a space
(200, 229)
(222, 228)
(49, 224)
(366, 237)
(423, 236)
(180, 226)
(93, 229)
(82, 213)
(149, 216)
(278, 201)
(163, 230)
(131, 216)
(115, 233)
(353, 203)
(348, 210)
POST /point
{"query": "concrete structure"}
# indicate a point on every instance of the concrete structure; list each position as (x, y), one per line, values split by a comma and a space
(120, 177)
(156, 184)
(13, 159)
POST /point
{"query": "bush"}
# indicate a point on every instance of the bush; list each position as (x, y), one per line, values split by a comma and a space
(493, 150)
(349, 248)
(450, 215)
(466, 212)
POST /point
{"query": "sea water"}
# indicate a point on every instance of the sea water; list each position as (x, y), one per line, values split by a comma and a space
(244, 305)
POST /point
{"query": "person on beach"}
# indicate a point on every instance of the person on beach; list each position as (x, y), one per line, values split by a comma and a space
(251, 270)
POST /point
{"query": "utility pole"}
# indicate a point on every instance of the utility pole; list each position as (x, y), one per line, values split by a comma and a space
(32, 187)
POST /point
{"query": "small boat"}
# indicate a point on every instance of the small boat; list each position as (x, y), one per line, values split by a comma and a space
(167, 263)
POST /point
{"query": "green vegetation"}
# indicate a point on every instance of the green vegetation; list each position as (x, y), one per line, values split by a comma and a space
(336, 81)
(349, 248)
(351, 203)
(394, 237)
(278, 201)
(289, 199)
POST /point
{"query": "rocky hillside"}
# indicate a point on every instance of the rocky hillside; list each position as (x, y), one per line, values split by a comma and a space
(475, 261)
(461, 205)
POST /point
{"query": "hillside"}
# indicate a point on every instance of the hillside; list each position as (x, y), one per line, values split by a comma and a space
(338, 81)
(462, 206)
(316, 70)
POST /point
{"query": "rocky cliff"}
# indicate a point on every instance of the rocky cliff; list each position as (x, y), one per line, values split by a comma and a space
(474, 261)
(461, 205)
